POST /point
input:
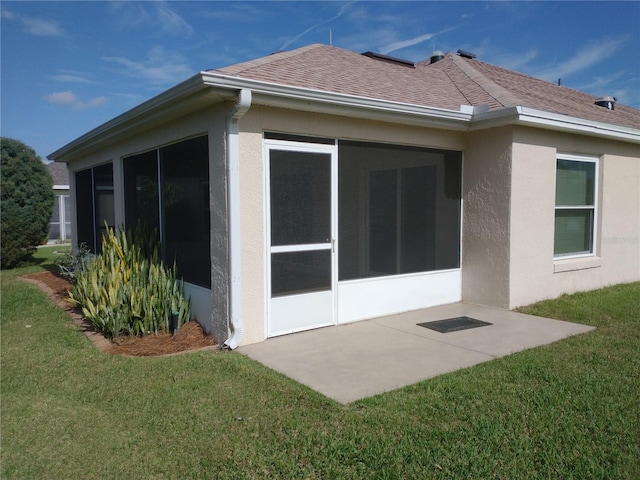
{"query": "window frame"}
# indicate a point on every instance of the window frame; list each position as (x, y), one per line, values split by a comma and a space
(592, 208)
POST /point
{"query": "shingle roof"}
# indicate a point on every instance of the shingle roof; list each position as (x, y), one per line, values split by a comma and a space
(59, 172)
(509, 88)
(342, 71)
(447, 84)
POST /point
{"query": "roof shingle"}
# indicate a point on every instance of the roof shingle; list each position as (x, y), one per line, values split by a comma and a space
(447, 84)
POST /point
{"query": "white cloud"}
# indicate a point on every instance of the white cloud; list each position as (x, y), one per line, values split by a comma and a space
(598, 83)
(157, 13)
(586, 57)
(71, 78)
(35, 26)
(162, 67)
(70, 99)
(341, 12)
(410, 42)
(516, 61)
(170, 21)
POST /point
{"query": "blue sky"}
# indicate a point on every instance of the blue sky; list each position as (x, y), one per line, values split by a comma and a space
(68, 67)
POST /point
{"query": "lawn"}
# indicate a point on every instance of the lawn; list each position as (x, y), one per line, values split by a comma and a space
(566, 410)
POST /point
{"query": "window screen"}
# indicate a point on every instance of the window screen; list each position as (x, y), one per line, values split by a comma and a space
(398, 210)
(168, 191)
(94, 204)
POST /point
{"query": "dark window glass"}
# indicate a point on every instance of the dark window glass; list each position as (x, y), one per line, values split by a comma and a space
(300, 198)
(418, 218)
(573, 232)
(299, 138)
(185, 201)
(141, 191)
(300, 272)
(85, 209)
(55, 216)
(54, 231)
(176, 207)
(398, 210)
(383, 206)
(94, 204)
(105, 210)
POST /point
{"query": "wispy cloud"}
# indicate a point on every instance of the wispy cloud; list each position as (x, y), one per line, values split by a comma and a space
(341, 12)
(515, 61)
(35, 26)
(159, 14)
(586, 57)
(161, 67)
(170, 21)
(399, 45)
(72, 78)
(70, 99)
(600, 82)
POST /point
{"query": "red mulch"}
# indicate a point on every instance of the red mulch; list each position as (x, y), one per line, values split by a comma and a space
(189, 337)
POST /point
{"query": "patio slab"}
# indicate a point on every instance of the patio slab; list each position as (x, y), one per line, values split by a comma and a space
(361, 359)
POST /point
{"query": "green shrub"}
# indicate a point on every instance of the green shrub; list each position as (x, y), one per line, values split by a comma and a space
(27, 202)
(124, 290)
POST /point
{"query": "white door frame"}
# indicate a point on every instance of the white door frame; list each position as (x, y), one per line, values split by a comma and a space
(321, 307)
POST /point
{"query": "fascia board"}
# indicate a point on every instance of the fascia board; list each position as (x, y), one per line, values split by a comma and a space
(321, 101)
(552, 121)
(188, 95)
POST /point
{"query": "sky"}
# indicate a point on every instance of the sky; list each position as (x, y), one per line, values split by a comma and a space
(68, 67)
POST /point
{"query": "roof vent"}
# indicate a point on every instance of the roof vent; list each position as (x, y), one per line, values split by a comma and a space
(464, 54)
(387, 58)
(607, 102)
(436, 56)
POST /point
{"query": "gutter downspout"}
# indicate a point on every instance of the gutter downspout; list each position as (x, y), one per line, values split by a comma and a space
(233, 200)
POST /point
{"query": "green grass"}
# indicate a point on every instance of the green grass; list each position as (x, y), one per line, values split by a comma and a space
(566, 410)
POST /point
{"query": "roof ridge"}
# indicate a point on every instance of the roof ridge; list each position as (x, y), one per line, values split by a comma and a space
(275, 56)
(500, 94)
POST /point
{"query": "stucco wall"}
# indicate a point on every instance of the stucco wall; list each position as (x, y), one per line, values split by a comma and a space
(534, 275)
(260, 119)
(486, 190)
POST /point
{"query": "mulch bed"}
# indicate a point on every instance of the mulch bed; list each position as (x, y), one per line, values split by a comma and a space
(189, 337)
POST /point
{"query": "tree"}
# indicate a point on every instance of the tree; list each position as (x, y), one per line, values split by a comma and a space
(26, 201)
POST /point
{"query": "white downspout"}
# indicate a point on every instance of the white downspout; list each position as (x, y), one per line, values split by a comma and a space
(233, 201)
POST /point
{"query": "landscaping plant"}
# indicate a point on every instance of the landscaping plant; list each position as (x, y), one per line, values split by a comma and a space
(71, 265)
(127, 290)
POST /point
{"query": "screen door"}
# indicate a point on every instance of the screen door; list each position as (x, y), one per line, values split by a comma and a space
(301, 230)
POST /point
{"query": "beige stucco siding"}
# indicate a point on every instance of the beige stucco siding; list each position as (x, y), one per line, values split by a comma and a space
(533, 273)
(532, 222)
(619, 236)
(486, 190)
(252, 183)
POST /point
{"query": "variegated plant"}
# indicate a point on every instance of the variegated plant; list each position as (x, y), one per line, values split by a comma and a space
(127, 290)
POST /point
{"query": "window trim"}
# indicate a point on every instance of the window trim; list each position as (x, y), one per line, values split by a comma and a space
(594, 208)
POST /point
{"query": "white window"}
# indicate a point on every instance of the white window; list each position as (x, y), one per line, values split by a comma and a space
(575, 213)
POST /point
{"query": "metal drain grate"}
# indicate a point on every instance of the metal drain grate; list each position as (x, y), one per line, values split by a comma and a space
(454, 324)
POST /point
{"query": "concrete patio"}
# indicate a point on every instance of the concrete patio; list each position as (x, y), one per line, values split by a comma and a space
(358, 360)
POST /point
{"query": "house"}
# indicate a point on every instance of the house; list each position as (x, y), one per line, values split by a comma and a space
(321, 186)
(60, 224)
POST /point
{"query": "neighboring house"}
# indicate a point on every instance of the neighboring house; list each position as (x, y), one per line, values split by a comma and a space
(60, 225)
(321, 186)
